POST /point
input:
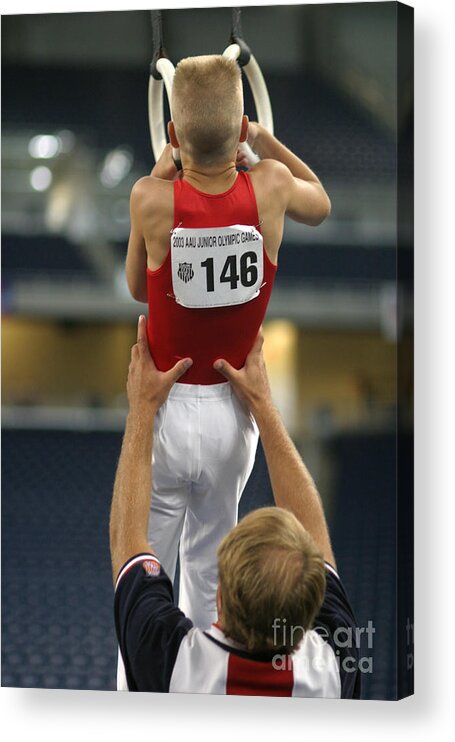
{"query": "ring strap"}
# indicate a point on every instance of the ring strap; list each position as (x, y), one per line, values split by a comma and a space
(237, 38)
(158, 48)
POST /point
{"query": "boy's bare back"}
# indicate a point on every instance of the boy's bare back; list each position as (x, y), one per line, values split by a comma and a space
(278, 192)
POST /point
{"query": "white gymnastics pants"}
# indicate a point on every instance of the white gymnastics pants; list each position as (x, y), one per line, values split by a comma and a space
(204, 449)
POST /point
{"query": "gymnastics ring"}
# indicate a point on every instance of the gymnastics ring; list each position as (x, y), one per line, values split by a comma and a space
(161, 76)
(240, 52)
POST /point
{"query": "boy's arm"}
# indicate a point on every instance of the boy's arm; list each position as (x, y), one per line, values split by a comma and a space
(305, 197)
(136, 257)
(165, 167)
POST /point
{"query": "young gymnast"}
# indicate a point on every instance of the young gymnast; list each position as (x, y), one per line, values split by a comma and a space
(203, 254)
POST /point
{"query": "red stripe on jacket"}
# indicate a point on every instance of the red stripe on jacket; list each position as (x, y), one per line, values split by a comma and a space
(247, 677)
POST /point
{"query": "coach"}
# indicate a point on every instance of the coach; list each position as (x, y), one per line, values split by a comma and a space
(285, 626)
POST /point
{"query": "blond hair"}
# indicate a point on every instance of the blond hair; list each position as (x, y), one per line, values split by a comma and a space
(271, 574)
(207, 107)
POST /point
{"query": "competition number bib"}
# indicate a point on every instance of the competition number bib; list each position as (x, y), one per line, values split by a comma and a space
(216, 266)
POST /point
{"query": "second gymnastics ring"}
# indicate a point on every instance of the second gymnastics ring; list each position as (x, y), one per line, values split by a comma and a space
(161, 76)
(241, 53)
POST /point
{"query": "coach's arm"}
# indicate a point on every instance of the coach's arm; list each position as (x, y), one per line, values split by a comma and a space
(292, 484)
(147, 389)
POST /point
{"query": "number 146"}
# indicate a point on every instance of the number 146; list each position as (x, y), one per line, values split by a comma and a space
(230, 274)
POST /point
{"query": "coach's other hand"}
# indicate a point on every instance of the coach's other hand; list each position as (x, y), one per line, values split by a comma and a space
(250, 383)
(147, 387)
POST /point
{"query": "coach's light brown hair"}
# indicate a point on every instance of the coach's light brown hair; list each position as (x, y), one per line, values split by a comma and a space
(269, 570)
(207, 107)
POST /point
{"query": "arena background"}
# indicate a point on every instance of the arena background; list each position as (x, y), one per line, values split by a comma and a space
(75, 137)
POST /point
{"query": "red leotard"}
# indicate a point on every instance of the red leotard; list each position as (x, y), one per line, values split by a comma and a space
(204, 335)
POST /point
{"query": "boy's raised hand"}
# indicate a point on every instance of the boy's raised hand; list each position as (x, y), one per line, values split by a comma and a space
(165, 167)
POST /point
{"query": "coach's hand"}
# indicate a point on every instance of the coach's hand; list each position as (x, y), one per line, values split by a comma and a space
(250, 383)
(147, 387)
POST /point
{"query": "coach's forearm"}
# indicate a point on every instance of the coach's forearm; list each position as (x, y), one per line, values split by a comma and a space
(132, 490)
(292, 484)
(268, 147)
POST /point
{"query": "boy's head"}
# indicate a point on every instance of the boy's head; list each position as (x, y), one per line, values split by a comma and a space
(207, 108)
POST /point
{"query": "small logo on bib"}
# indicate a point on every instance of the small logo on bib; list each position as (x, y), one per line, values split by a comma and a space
(185, 272)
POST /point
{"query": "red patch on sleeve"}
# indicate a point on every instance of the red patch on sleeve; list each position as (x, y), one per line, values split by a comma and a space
(151, 568)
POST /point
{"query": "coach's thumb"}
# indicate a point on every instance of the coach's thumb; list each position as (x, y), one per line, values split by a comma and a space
(258, 343)
(225, 368)
(180, 368)
(142, 331)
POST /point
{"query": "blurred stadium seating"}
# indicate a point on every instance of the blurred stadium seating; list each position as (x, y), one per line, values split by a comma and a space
(41, 255)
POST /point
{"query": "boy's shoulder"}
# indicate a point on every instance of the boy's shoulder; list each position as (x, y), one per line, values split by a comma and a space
(151, 193)
(149, 184)
(272, 182)
(272, 173)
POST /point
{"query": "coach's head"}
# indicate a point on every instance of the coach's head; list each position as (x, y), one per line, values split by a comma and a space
(271, 581)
